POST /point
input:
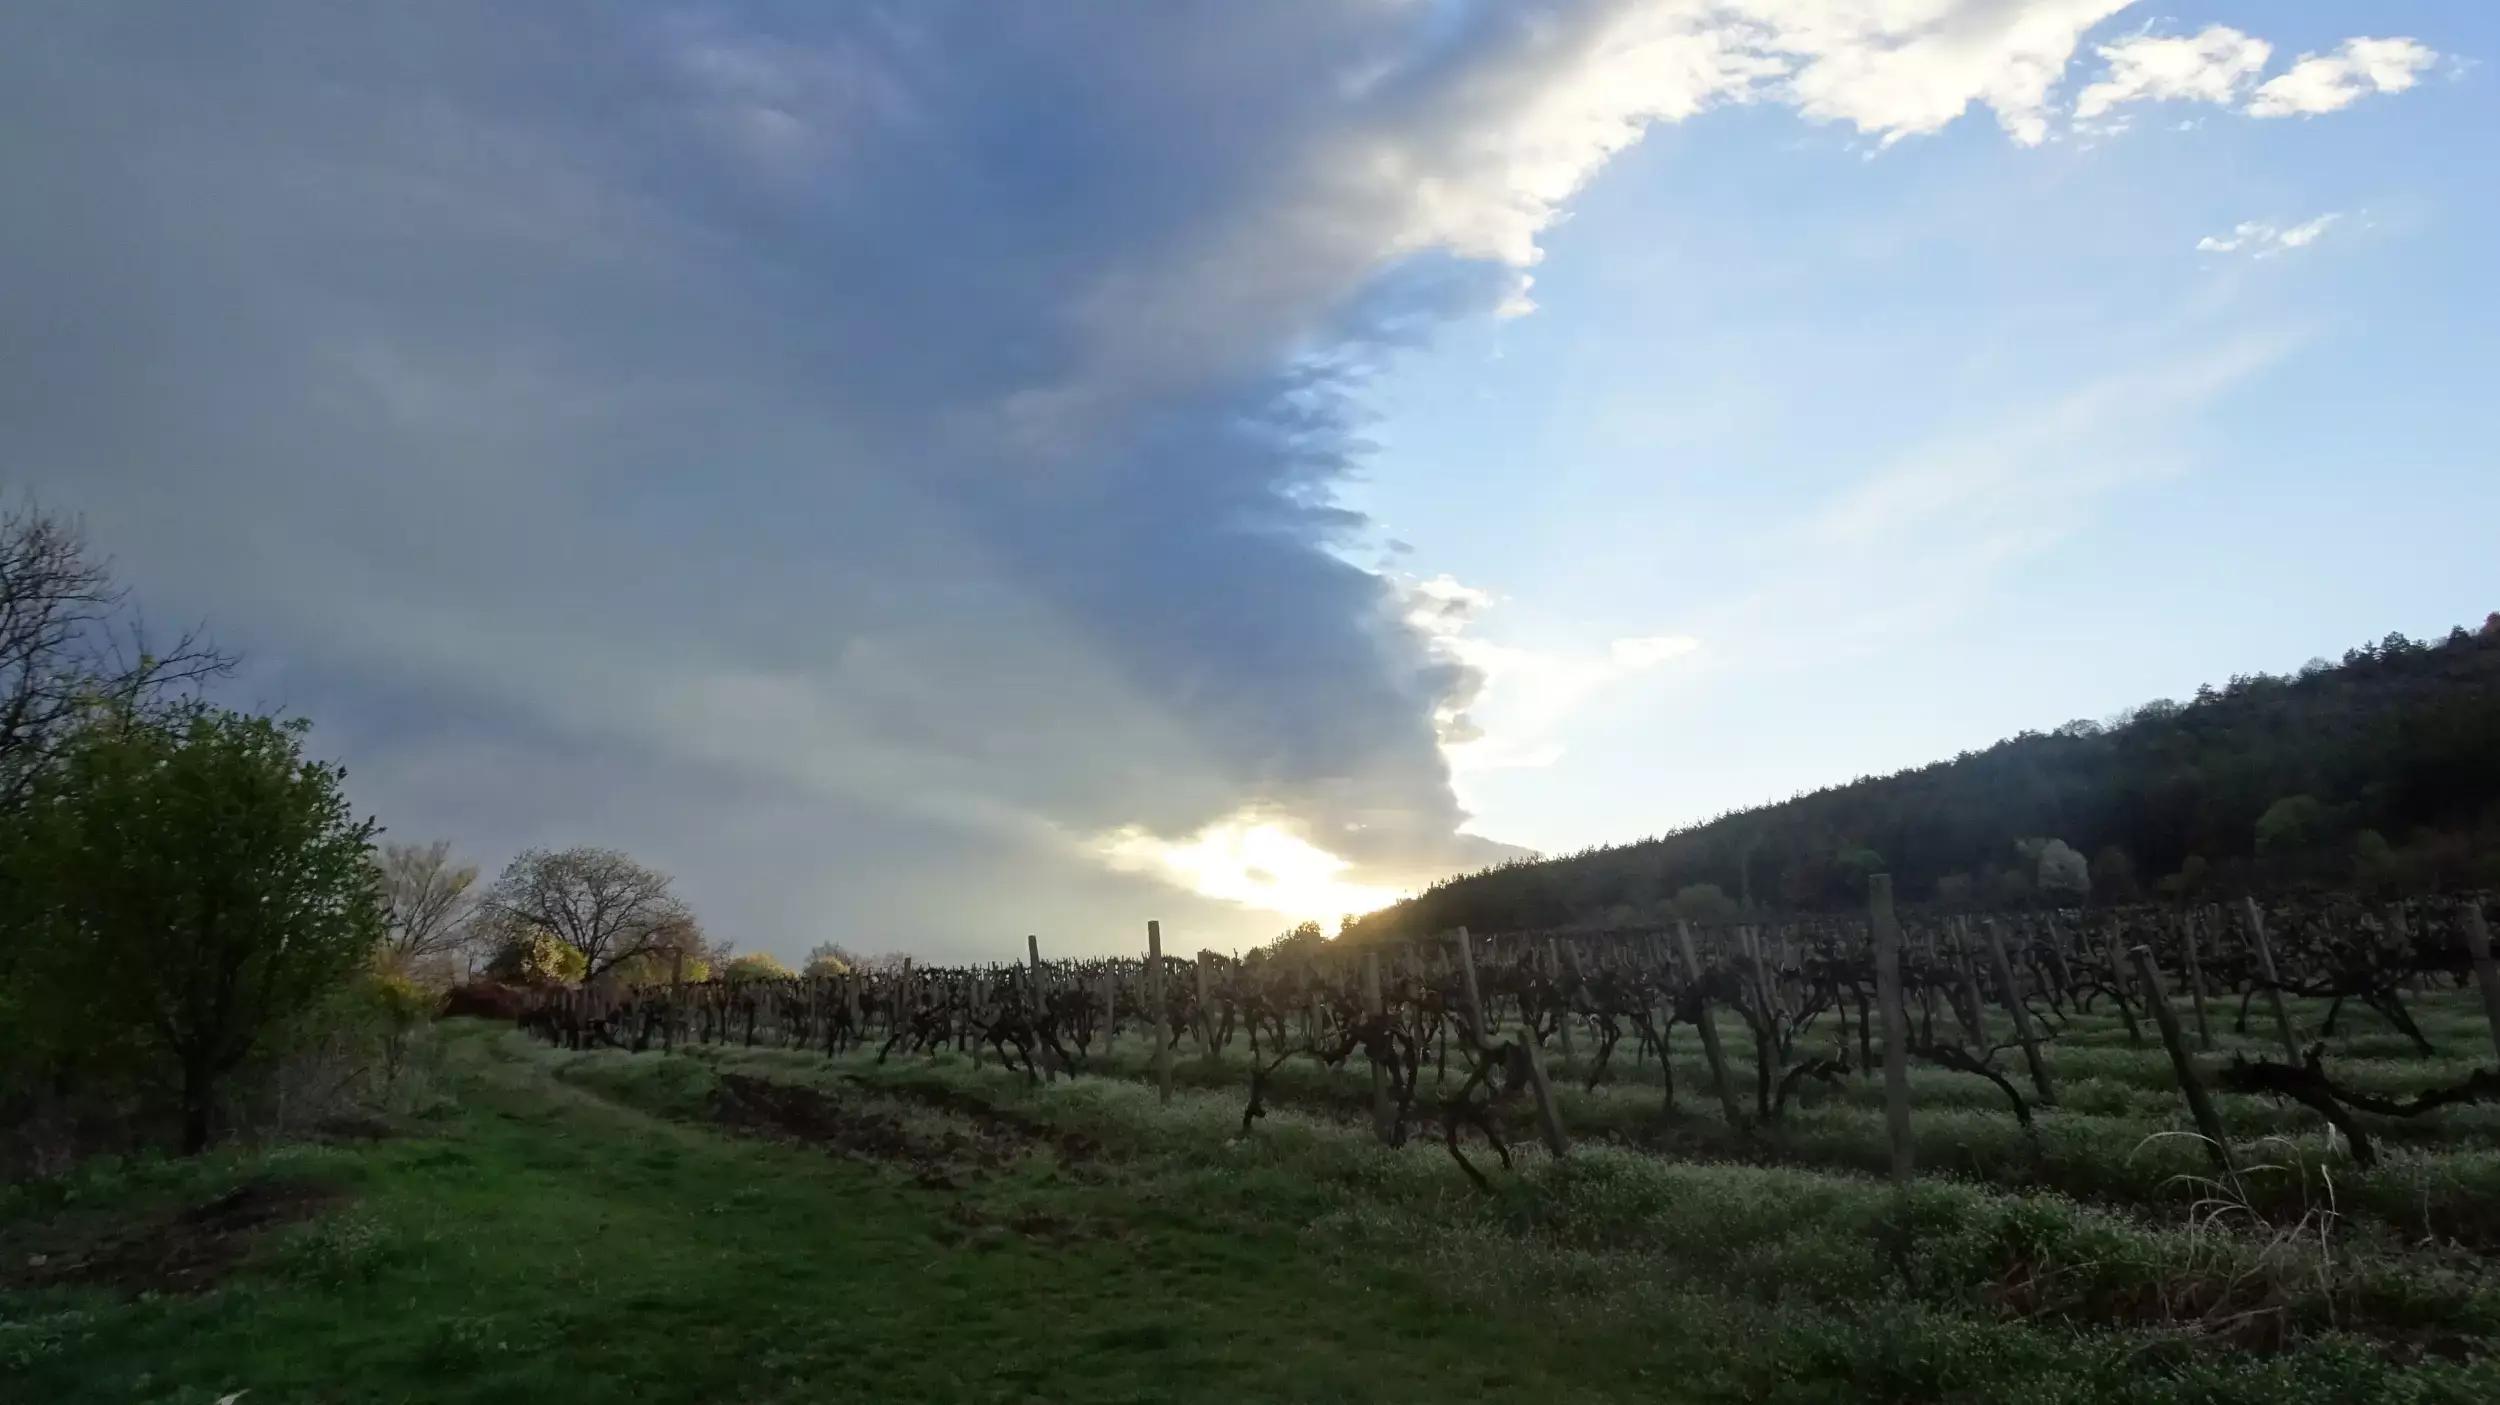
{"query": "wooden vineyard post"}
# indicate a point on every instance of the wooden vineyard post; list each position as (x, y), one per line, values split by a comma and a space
(2265, 967)
(2118, 978)
(1709, 1031)
(676, 999)
(1641, 1058)
(902, 1000)
(2057, 954)
(2397, 939)
(1319, 1008)
(1110, 1012)
(1155, 1010)
(1887, 934)
(1977, 1019)
(2196, 980)
(1383, 1117)
(2182, 1067)
(1206, 1017)
(1037, 1001)
(2486, 971)
(1765, 989)
(2022, 1017)
(1548, 1117)
(1476, 1032)
(1562, 1020)
(977, 1007)
(1548, 1112)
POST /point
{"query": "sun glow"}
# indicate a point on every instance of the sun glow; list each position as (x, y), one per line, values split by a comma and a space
(1252, 860)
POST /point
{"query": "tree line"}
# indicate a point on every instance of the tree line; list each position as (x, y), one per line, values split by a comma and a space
(580, 916)
(2378, 774)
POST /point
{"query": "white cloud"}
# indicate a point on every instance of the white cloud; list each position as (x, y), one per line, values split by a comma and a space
(2214, 66)
(1484, 170)
(2261, 239)
(1902, 68)
(1479, 164)
(2328, 82)
(2218, 65)
(1521, 698)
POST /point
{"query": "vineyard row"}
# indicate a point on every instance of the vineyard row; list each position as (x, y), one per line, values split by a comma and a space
(1975, 994)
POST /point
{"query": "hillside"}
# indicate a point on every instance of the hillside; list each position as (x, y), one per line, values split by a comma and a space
(2380, 773)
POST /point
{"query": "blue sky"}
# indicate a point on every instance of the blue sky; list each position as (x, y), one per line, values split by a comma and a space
(925, 473)
(1748, 320)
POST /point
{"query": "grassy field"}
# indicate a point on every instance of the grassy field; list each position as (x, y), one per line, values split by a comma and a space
(2118, 1135)
(764, 1224)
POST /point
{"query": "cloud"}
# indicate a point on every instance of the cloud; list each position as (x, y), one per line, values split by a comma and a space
(1906, 69)
(627, 408)
(1467, 147)
(856, 458)
(2332, 81)
(2219, 64)
(1518, 697)
(2260, 239)
(2214, 66)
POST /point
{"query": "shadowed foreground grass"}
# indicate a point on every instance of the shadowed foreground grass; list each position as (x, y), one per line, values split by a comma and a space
(545, 1244)
(2119, 1134)
(580, 1227)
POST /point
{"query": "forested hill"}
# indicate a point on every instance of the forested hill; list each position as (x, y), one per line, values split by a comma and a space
(2381, 773)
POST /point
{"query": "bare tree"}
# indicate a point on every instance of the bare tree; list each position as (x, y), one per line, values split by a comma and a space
(70, 642)
(427, 901)
(597, 901)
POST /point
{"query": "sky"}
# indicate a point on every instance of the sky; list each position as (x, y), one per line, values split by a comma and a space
(923, 474)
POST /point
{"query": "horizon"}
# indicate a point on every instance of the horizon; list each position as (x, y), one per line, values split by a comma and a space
(925, 477)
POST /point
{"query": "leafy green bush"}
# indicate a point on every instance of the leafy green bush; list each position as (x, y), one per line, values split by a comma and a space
(187, 892)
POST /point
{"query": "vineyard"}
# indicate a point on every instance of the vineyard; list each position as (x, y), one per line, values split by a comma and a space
(2211, 1152)
(2018, 1003)
(2223, 1154)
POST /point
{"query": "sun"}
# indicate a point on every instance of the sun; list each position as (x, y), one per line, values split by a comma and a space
(1251, 859)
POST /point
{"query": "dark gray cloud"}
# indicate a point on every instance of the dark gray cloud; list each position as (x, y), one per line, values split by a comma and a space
(855, 457)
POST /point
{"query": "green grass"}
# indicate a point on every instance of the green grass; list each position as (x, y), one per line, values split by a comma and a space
(2117, 1135)
(1806, 1229)
(576, 1228)
(549, 1244)
(1799, 1255)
